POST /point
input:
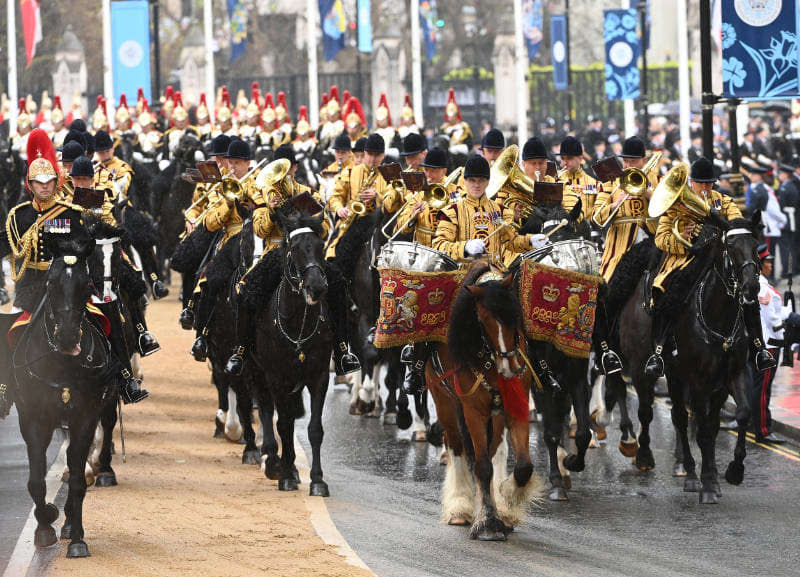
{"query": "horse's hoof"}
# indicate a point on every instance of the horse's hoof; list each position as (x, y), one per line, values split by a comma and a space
(219, 430)
(435, 434)
(44, 537)
(319, 489)
(289, 484)
(734, 474)
(90, 478)
(491, 529)
(678, 470)
(572, 463)
(419, 437)
(444, 458)
(708, 497)
(691, 485)
(296, 474)
(366, 408)
(233, 434)
(566, 482)
(558, 494)
(272, 468)
(77, 550)
(628, 449)
(66, 532)
(390, 419)
(599, 429)
(106, 479)
(251, 457)
(458, 521)
(645, 461)
(355, 409)
(404, 419)
(49, 514)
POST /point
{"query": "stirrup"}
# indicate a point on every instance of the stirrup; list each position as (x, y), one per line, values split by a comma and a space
(131, 391)
(654, 367)
(200, 349)
(187, 319)
(611, 362)
(407, 355)
(147, 344)
(345, 363)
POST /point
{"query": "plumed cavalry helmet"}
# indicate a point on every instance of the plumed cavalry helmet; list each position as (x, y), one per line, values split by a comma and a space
(179, 113)
(23, 118)
(145, 117)
(100, 117)
(224, 113)
(407, 112)
(57, 115)
(452, 113)
(202, 108)
(254, 106)
(354, 113)
(303, 127)
(323, 109)
(334, 107)
(122, 114)
(268, 116)
(282, 110)
(382, 115)
(42, 163)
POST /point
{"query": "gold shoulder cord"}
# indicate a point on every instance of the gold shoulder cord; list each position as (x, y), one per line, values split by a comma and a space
(23, 249)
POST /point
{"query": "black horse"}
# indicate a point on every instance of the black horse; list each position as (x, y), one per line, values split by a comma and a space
(144, 171)
(171, 195)
(293, 346)
(711, 342)
(63, 369)
(571, 373)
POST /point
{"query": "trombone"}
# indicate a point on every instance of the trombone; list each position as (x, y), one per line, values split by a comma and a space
(633, 183)
(435, 195)
(232, 191)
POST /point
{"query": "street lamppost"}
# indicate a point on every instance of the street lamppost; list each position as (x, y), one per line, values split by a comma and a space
(472, 33)
(642, 8)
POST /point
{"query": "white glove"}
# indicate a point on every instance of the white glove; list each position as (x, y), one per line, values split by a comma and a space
(475, 247)
(138, 156)
(539, 240)
(199, 156)
(163, 164)
(459, 149)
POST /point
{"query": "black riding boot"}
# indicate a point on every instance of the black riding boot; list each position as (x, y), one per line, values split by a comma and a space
(145, 342)
(243, 337)
(159, 289)
(205, 308)
(414, 357)
(344, 361)
(752, 321)
(545, 376)
(654, 367)
(131, 389)
(187, 293)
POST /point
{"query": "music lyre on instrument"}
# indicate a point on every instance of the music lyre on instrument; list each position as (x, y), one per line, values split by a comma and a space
(632, 182)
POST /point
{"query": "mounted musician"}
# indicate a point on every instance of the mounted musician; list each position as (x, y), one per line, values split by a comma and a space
(355, 122)
(408, 123)
(579, 184)
(333, 125)
(227, 209)
(358, 191)
(204, 127)
(623, 210)
(224, 116)
(455, 129)
(278, 191)
(683, 209)
(149, 140)
(384, 127)
(516, 195)
(194, 217)
(26, 236)
(305, 149)
(271, 137)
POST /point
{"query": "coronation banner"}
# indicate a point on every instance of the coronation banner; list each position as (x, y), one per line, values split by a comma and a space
(622, 54)
(760, 49)
(130, 47)
(558, 50)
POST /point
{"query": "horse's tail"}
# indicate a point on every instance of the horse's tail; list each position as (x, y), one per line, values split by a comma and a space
(296, 405)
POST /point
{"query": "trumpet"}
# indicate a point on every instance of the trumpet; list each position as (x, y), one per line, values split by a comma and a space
(233, 190)
(437, 198)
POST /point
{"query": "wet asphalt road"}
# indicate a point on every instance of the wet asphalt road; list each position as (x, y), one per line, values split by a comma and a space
(619, 521)
(15, 503)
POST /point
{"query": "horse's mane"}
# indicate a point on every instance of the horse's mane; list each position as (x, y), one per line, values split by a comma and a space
(349, 247)
(465, 332)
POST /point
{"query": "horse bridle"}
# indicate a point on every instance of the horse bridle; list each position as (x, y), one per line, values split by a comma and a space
(291, 273)
(736, 292)
(489, 356)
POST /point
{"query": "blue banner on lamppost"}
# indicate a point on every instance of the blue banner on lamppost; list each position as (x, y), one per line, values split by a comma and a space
(130, 47)
(558, 50)
(622, 54)
(364, 26)
(760, 49)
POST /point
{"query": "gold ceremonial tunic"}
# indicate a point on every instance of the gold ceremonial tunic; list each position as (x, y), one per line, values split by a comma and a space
(424, 225)
(471, 218)
(195, 211)
(347, 189)
(586, 189)
(624, 229)
(334, 166)
(225, 216)
(676, 254)
(266, 228)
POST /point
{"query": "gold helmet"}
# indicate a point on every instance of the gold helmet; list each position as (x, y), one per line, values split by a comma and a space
(47, 104)
(100, 118)
(323, 109)
(383, 117)
(407, 112)
(139, 100)
(30, 105)
(202, 108)
(145, 118)
(224, 112)
(268, 115)
(303, 127)
(282, 109)
(24, 119)
(354, 114)
(452, 113)
(334, 107)
(57, 115)
(179, 114)
(123, 114)
(41, 157)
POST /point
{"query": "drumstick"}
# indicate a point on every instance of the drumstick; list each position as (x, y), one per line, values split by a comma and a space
(563, 222)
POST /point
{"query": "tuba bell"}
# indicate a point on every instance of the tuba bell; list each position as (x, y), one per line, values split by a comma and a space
(272, 174)
(674, 190)
(506, 170)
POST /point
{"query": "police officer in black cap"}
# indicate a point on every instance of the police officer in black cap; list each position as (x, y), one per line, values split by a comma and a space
(492, 145)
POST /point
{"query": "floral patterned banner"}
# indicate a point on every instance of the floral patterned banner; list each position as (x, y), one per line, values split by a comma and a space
(622, 54)
(760, 49)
